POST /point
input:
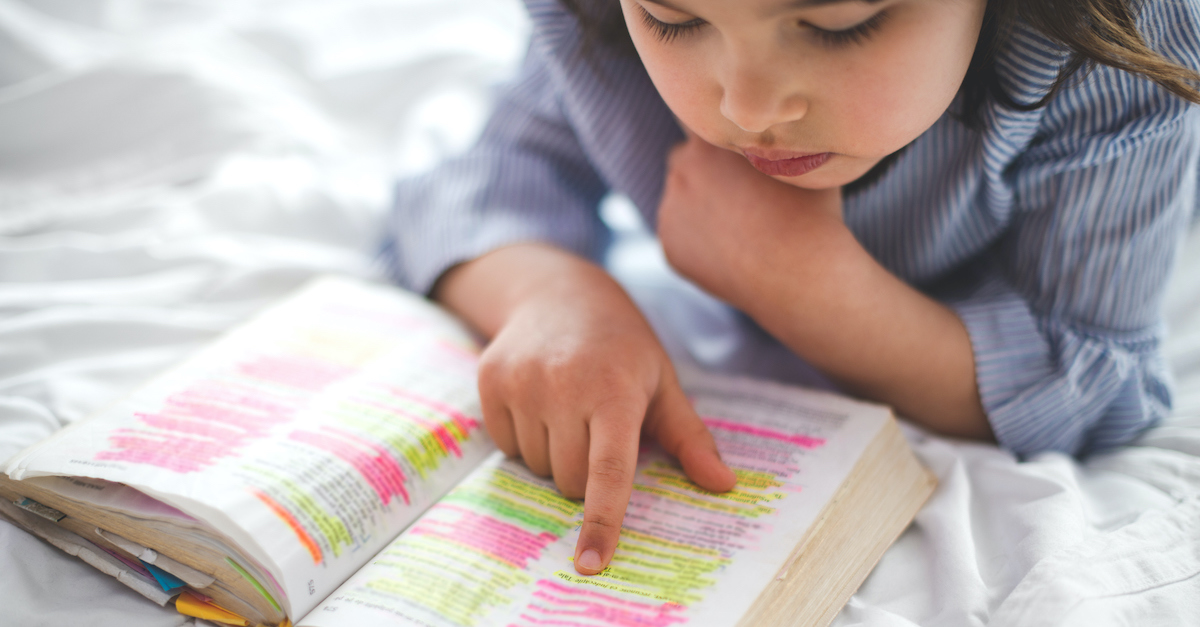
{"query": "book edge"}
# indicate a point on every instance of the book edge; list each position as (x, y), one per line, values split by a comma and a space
(806, 593)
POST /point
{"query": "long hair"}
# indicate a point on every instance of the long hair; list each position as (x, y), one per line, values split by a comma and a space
(1094, 32)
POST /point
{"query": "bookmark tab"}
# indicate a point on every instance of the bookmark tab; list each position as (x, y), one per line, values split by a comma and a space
(190, 604)
(254, 582)
(169, 582)
(33, 507)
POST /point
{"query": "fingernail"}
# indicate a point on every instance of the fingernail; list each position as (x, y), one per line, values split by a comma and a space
(589, 560)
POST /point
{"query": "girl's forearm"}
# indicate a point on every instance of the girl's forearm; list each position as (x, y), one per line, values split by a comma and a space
(834, 305)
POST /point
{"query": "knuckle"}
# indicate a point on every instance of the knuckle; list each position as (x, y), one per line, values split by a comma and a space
(602, 519)
(626, 424)
(539, 469)
(610, 471)
(494, 418)
(626, 384)
(498, 430)
(677, 178)
(612, 389)
(670, 251)
(585, 380)
(535, 460)
(508, 448)
(570, 486)
(562, 367)
(491, 377)
(558, 367)
(677, 259)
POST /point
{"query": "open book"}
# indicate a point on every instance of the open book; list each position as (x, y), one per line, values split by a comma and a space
(326, 464)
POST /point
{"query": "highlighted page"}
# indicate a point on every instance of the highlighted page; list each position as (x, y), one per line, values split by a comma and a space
(309, 437)
(497, 549)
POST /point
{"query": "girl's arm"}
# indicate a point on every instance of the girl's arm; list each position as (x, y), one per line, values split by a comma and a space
(1056, 339)
(783, 256)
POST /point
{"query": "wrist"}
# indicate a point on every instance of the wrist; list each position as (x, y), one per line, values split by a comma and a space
(812, 256)
(489, 290)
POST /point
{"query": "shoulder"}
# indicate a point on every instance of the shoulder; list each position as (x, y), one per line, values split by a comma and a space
(551, 16)
(559, 24)
(605, 95)
(576, 56)
(1172, 27)
(1103, 112)
(1029, 61)
(555, 29)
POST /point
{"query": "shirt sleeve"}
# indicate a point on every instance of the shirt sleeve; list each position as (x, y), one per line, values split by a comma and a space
(527, 179)
(1066, 321)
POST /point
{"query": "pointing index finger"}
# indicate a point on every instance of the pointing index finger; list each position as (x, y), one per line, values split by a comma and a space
(612, 460)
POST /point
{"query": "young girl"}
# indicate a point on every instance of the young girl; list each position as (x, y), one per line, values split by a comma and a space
(966, 209)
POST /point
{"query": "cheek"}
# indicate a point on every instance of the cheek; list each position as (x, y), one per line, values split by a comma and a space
(881, 115)
(682, 75)
(905, 84)
(689, 91)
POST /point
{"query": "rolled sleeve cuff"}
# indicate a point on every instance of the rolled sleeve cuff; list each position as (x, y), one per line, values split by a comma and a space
(1011, 356)
(482, 202)
(418, 266)
(1057, 390)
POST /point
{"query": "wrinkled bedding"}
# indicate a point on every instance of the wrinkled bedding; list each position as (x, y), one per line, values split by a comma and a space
(168, 167)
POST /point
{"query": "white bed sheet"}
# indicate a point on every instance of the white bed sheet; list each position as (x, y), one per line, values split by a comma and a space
(167, 167)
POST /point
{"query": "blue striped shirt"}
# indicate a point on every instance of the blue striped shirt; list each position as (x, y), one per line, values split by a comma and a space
(1051, 232)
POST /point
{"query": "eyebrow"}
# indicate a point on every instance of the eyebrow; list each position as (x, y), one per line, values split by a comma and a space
(794, 4)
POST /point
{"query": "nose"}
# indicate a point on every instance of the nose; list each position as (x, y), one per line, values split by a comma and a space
(756, 95)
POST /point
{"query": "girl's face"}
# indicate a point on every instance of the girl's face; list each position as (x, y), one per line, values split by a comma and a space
(812, 92)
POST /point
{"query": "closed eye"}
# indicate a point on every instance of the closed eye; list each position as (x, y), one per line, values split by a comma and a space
(665, 31)
(854, 35)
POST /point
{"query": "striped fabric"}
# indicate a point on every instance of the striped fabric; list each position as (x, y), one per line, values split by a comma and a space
(1051, 232)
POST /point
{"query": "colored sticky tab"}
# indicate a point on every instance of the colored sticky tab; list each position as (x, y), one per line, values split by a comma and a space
(190, 604)
(168, 581)
(254, 582)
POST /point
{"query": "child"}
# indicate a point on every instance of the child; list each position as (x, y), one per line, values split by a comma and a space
(966, 209)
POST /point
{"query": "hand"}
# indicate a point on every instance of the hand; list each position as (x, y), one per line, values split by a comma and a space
(571, 381)
(720, 219)
(782, 255)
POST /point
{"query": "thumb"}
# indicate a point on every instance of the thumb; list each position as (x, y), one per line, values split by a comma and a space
(675, 425)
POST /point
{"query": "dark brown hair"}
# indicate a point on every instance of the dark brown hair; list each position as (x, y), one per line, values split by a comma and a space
(1093, 32)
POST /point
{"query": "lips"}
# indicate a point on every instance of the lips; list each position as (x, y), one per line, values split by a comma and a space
(784, 164)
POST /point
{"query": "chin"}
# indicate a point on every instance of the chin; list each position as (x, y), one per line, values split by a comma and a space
(807, 181)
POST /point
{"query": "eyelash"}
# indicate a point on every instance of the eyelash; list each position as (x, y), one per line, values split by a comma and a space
(666, 32)
(853, 35)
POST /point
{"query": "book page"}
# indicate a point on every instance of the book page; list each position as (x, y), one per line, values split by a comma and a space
(113, 496)
(309, 437)
(497, 549)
